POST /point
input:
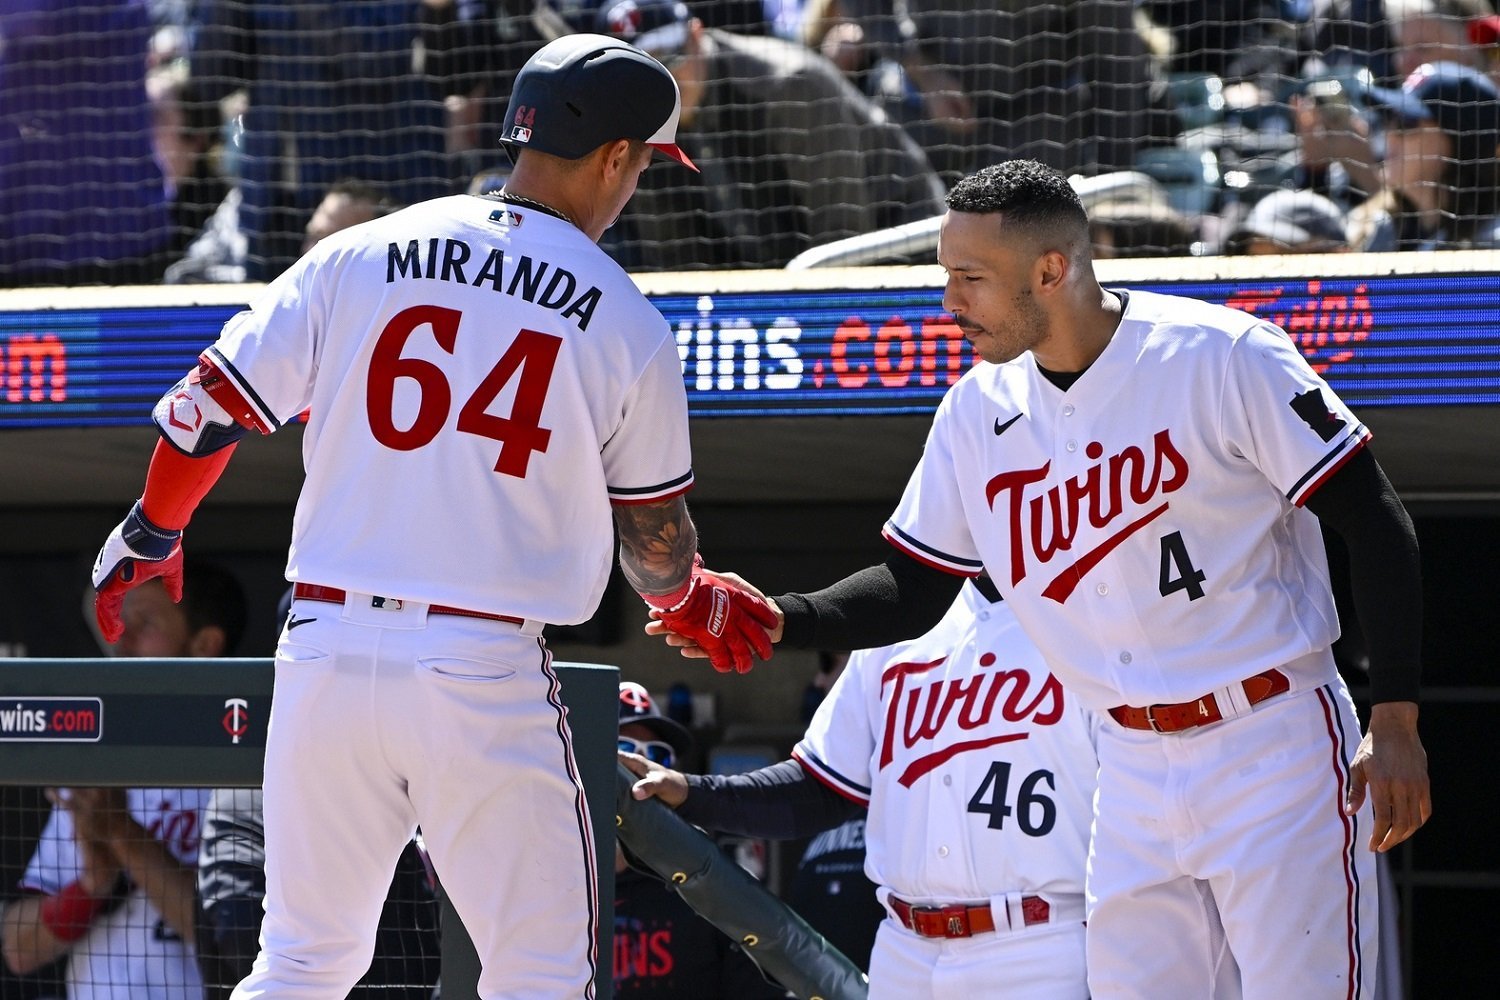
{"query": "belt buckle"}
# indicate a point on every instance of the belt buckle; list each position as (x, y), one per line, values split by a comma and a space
(1151, 720)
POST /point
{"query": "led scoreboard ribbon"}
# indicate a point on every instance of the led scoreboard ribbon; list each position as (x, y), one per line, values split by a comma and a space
(1414, 339)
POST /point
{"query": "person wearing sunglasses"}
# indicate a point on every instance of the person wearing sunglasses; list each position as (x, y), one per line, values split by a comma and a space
(662, 948)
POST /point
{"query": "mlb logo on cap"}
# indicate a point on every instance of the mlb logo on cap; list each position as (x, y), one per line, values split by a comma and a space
(520, 133)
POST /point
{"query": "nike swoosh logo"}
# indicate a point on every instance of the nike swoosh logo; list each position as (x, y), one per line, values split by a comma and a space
(292, 623)
(1002, 428)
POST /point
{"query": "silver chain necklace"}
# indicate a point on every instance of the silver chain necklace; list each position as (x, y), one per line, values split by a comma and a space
(518, 199)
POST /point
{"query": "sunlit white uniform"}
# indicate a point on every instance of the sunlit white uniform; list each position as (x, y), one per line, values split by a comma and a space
(482, 382)
(1146, 528)
(978, 773)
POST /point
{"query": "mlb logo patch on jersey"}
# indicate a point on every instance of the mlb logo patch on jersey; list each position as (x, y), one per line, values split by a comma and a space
(520, 133)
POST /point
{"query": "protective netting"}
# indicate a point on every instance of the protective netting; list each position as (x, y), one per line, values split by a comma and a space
(152, 892)
(194, 140)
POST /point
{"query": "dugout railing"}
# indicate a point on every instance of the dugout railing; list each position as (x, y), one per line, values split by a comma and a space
(184, 723)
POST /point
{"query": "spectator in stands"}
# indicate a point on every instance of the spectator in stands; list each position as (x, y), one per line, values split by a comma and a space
(347, 203)
(1290, 222)
(791, 154)
(1235, 40)
(219, 253)
(1131, 215)
(1441, 172)
(1434, 31)
(1484, 32)
(1348, 35)
(186, 134)
(745, 17)
(835, 29)
(662, 948)
(1144, 231)
(1065, 83)
(334, 90)
(1335, 154)
(111, 882)
(82, 199)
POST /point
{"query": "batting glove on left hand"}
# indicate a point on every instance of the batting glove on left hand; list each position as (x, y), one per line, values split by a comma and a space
(726, 621)
(136, 551)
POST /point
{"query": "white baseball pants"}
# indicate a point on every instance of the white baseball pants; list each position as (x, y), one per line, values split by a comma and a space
(1252, 807)
(384, 718)
(1045, 962)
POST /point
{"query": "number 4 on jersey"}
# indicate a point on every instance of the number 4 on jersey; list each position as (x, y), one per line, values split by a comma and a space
(1174, 559)
(531, 356)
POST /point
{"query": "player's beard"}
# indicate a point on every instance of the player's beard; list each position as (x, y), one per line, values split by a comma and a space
(1008, 339)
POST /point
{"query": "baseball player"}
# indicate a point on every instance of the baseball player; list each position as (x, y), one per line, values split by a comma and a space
(978, 773)
(1136, 473)
(105, 888)
(484, 389)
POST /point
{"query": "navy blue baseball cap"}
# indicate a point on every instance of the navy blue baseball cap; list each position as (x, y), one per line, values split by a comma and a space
(637, 705)
(581, 91)
(1461, 101)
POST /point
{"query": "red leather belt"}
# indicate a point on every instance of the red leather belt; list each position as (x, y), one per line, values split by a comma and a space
(1201, 712)
(333, 595)
(962, 920)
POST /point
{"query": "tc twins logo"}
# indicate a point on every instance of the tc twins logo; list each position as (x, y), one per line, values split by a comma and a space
(918, 715)
(236, 721)
(1044, 525)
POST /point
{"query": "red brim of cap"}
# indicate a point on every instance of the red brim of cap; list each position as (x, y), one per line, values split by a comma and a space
(674, 152)
(1485, 30)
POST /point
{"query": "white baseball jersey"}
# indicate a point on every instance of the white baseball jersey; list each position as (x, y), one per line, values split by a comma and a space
(1145, 525)
(464, 351)
(977, 769)
(130, 952)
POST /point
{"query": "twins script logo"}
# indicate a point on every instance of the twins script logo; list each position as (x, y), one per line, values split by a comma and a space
(918, 715)
(1044, 525)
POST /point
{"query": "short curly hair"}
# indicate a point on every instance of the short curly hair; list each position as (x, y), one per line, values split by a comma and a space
(1032, 195)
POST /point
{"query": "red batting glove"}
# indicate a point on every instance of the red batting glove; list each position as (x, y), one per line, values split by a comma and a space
(136, 551)
(724, 620)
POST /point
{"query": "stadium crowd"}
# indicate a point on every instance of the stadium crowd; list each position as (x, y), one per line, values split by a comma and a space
(193, 140)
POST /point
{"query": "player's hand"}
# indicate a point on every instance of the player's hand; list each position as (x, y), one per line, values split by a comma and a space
(1391, 763)
(101, 815)
(724, 619)
(690, 649)
(99, 868)
(136, 551)
(656, 781)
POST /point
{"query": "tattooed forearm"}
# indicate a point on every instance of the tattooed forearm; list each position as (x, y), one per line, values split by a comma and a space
(657, 544)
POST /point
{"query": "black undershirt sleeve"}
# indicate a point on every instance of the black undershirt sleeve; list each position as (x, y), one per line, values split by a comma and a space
(899, 599)
(779, 802)
(1385, 573)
